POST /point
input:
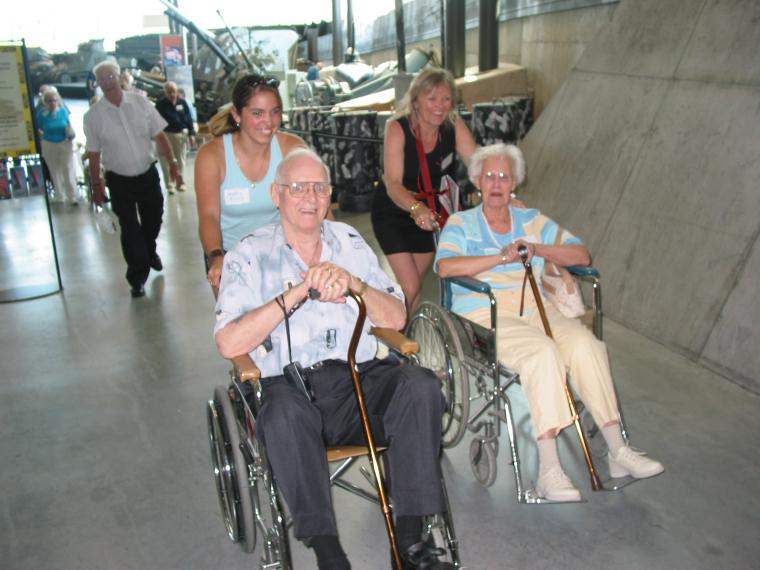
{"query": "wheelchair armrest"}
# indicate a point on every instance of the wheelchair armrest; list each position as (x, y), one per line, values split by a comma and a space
(396, 340)
(471, 283)
(579, 271)
(244, 369)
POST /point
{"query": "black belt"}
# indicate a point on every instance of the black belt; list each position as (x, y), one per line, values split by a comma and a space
(150, 168)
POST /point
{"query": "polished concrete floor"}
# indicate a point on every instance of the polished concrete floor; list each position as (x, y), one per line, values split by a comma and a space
(104, 461)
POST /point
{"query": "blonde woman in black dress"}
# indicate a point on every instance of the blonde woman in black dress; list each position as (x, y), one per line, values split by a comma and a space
(402, 217)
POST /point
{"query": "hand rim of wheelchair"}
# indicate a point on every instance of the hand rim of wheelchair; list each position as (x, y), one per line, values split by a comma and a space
(451, 382)
(221, 468)
(233, 486)
(256, 494)
(264, 497)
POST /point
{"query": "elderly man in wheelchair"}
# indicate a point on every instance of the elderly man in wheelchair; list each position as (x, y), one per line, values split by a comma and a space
(483, 242)
(283, 300)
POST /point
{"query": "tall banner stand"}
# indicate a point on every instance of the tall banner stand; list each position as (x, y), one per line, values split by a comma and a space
(28, 254)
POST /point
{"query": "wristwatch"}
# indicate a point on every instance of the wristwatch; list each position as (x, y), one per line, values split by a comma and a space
(362, 287)
(215, 253)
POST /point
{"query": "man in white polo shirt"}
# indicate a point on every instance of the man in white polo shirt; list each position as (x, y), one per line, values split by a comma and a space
(120, 130)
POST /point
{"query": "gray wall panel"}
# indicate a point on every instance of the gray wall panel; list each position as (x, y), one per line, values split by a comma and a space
(659, 173)
(591, 150)
(646, 37)
(726, 43)
(688, 213)
(512, 9)
(733, 345)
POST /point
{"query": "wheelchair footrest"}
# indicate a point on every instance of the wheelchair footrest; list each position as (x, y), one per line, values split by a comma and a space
(530, 497)
(617, 483)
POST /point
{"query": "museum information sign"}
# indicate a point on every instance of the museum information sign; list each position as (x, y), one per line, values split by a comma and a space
(16, 128)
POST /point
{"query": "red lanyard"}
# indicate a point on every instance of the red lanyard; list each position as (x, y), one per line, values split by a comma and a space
(427, 192)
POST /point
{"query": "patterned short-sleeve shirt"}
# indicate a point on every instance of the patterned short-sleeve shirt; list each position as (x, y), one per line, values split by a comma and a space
(262, 265)
(468, 233)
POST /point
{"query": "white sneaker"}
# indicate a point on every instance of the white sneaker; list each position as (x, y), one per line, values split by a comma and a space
(554, 485)
(628, 461)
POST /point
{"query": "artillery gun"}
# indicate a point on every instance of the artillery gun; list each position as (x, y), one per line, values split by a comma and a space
(228, 55)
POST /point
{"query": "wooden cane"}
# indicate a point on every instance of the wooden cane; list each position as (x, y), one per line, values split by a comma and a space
(596, 482)
(367, 427)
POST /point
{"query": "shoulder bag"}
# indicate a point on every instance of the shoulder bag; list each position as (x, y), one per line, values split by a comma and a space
(561, 288)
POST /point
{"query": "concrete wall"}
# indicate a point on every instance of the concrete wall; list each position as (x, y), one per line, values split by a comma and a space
(649, 151)
(547, 46)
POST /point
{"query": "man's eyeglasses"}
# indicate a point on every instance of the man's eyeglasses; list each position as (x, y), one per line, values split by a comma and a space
(494, 176)
(300, 189)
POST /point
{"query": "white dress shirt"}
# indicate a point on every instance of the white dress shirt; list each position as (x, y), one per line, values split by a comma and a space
(124, 134)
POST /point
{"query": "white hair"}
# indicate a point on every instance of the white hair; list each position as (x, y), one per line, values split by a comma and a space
(500, 150)
(49, 92)
(107, 63)
(298, 153)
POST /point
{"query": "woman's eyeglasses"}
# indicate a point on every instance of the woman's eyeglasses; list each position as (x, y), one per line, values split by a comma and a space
(300, 189)
(494, 176)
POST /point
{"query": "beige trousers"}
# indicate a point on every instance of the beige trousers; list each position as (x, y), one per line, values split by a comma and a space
(542, 364)
(60, 161)
(178, 142)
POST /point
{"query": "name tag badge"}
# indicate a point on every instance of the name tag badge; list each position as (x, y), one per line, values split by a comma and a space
(236, 196)
(180, 108)
(446, 162)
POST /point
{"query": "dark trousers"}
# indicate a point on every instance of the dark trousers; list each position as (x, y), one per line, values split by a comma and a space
(139, 204)
(405, 405)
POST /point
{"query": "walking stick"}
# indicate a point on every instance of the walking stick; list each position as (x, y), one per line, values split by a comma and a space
(368, 428)
(596, 482)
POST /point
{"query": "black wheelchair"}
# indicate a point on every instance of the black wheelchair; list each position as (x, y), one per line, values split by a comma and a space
(253, 512)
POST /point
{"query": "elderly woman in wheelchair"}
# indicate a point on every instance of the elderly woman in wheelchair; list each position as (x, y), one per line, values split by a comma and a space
(483, 242)
(283, 297)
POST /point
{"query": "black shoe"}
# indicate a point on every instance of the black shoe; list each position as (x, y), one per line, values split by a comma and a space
(137, 291)
(155, 263)
(424, 556)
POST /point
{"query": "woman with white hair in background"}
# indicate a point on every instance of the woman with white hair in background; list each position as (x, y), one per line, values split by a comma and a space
(57, 145)
(482, 243)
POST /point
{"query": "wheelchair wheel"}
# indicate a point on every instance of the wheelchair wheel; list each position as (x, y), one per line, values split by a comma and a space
(230, 471)
(441, 351)
(483, 461)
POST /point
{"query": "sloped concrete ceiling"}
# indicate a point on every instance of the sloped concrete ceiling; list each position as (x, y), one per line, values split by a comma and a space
(650, 152)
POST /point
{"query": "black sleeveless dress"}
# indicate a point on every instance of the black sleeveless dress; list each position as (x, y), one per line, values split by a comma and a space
(394, 228)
